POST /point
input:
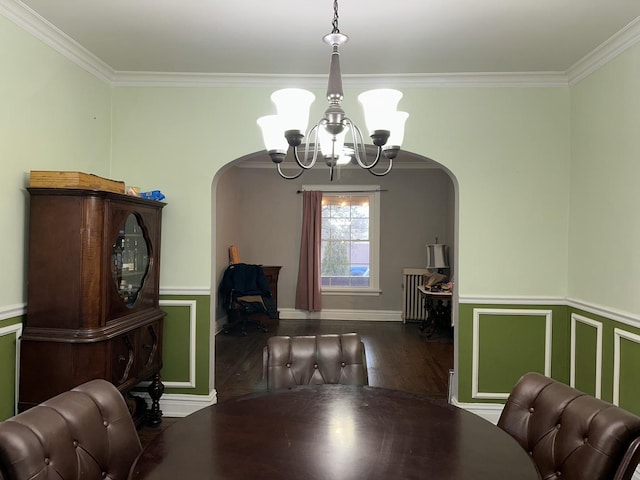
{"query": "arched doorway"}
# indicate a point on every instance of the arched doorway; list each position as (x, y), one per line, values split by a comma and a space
(253, 208)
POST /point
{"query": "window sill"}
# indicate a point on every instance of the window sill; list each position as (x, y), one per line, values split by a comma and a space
(369, 292)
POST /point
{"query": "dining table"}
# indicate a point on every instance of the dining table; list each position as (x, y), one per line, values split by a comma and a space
(337, 432)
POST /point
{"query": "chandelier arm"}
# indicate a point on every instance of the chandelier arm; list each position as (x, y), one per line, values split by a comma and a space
(300, 163)
(312, 162)
(288, 177)
(382, 174)
(359, 146)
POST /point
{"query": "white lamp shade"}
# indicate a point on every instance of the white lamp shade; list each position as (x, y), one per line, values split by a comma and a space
(379, 105)
(293, 106)
(273, 133)
(437, 256)
(343, 159)
(398, 120)
(327, 146)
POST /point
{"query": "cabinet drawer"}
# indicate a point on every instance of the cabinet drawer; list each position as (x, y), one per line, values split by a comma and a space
(150, 349)
(123, 358)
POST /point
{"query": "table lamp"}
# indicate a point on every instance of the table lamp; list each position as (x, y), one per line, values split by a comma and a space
(437, 257)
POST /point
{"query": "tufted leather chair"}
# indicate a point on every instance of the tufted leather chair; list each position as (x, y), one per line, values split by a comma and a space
(312, 360)
(571, 435)
(84, 434)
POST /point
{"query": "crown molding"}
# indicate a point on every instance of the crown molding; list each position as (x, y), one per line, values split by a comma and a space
(604, 53)
(30, 21)
(39, 27)
(409, 80)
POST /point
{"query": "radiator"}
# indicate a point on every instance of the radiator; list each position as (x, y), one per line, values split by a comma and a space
(412, 301)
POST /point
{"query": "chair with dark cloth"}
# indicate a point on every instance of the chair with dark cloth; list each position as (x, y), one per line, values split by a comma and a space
(571, 435)
(86, 433)
(313, 360)
(245, 291)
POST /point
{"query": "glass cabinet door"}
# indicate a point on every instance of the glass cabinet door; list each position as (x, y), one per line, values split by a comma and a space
(130, 260)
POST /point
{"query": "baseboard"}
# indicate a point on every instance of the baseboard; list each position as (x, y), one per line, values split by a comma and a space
(181, 405)
(488, 411)
(337, 314)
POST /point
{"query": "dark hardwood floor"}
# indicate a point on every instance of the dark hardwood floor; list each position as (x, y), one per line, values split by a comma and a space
(398, 357)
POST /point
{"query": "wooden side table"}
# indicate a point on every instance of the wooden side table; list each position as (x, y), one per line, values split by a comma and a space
(438, 307)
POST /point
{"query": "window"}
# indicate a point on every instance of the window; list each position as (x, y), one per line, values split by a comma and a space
(350, 239)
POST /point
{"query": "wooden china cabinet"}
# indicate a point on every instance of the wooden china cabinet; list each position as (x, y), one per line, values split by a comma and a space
(93, 287)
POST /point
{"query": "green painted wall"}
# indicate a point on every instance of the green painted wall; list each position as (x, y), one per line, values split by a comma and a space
(604, 227)
(177, 347)
(8, 346)
(54, 116)
(507, 162)
(498, 343)
(586, 352)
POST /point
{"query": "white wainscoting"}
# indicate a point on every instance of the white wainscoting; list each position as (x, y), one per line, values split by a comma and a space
(16, 330)
(475, 365)
(575, 319)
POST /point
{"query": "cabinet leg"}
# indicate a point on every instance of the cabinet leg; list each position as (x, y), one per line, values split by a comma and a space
(156, 389)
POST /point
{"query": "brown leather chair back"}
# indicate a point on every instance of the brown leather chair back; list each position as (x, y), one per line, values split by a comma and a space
(571, 435)
(84, 434)
(312, 360)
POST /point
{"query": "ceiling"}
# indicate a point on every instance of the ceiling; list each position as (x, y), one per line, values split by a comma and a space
(284, 37)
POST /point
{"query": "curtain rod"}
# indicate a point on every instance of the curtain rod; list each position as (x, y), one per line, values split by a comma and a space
(346, 191)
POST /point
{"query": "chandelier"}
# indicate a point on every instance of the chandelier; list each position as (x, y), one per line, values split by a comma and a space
(288, 128)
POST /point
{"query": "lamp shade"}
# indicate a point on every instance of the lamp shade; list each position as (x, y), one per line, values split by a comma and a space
(293, 106)
(437, 256)
(397, 121)
(379, 106)
(273, 133)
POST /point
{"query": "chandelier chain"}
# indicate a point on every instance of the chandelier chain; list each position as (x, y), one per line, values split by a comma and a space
(335, 17)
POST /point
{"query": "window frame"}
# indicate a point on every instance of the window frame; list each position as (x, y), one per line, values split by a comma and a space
(373, 192)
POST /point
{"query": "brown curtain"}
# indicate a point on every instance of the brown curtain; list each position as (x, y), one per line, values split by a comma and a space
(308, 291)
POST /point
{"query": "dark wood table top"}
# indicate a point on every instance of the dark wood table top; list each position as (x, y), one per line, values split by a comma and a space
(334, 432)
